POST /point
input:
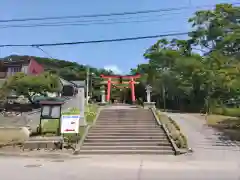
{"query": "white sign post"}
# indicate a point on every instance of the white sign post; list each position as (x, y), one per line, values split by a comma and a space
(70, 124)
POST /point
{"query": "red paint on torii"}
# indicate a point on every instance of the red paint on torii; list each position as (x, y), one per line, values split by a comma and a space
(119, 76)
(131, 83)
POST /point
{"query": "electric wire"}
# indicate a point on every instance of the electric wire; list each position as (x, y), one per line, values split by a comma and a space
(111, 14)
(97, 41)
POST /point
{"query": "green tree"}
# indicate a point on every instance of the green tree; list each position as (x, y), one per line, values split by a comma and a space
(29, 86)
(182, 78)
(217, 29)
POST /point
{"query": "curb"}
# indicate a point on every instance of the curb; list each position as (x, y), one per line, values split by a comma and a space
(98, 113)
(22, 154)
(175, 148)
(79, 145)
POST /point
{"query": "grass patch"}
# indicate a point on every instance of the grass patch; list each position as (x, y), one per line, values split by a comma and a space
(234, 112)
(226, 122)
(174, 130)
(229, 126)
(91, 113)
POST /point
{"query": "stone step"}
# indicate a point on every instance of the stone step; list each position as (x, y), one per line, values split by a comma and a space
(101, 140)
(126, 134)
(126, 116)
(132, 143)
(116, 151)
(126, 123)
(130, 116)
(126, 147)
(120, 114)
(94, 130)
(96, 137)
(117, 111)
(127, 120)
(126, 126)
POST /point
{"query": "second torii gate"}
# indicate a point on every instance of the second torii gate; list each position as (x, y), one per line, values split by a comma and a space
(131, 83)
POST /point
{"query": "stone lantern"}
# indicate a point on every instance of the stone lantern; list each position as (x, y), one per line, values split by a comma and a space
(103, 97)
(149, 104)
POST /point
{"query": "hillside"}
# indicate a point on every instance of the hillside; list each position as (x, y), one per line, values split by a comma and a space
(66, 69)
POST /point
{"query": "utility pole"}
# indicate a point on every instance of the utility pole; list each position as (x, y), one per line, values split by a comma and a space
(87, 86)
(91, 78)
(164, 97)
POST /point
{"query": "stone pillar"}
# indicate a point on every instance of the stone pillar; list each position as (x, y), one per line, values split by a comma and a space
(103, 96)
(149, 104)
(148, 96)
(81, 105)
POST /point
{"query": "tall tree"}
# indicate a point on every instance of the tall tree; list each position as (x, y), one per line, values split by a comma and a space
(29, 86)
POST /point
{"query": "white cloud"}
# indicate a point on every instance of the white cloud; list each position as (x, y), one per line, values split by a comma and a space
(113, 68)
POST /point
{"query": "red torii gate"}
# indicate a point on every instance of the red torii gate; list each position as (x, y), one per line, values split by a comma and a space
(131, 83)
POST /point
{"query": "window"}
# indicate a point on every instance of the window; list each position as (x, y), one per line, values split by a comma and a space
(13, 70)
(51, 111)
(17, 69)
(46, 110)
(55, 112)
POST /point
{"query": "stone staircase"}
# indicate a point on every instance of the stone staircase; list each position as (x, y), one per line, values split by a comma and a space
(126, 131)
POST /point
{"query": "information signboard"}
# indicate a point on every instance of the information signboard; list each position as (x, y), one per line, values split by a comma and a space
(70, 124)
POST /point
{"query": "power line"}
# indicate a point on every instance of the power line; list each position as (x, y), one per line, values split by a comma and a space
(109, 14)
(43, 51)
(87, 22)
(96, 22)
(97, 41)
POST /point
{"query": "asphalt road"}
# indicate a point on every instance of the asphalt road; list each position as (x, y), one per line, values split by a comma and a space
(118, 168)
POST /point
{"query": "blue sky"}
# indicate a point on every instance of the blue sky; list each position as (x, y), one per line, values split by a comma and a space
(119, 55)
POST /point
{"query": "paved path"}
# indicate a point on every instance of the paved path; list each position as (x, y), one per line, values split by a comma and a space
(206, 142)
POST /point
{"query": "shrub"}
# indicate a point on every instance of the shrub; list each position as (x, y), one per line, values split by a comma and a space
(91, 112)
(183, 141)
(174, 130)
(174, 123)
(234, 112)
